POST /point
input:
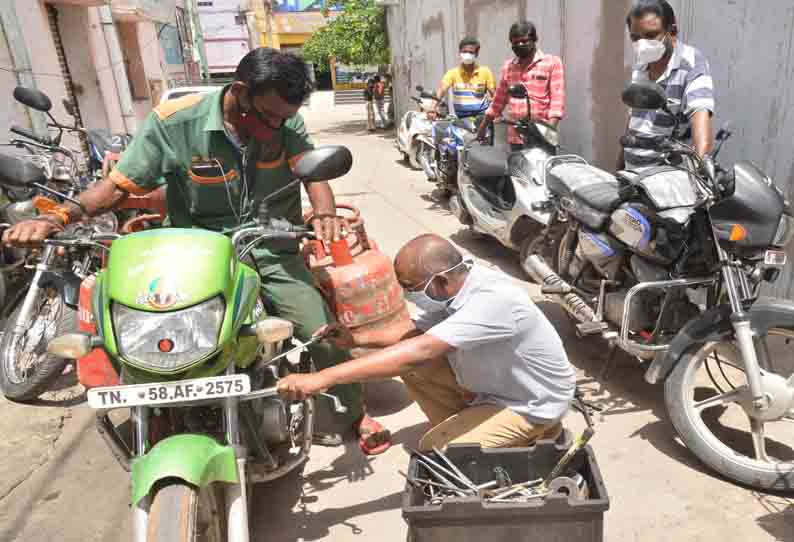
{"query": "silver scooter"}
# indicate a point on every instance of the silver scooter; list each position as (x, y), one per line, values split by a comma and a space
(414, 136)
(502, 193)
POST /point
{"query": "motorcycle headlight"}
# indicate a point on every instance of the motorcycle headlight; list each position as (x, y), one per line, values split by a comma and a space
(785, 232)
(168, 342)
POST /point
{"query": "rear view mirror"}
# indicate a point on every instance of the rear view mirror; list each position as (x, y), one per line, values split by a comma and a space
(645, 95)
(18, 173)
(420, 88)
(324, 163)
(33, 98)
(518, 91)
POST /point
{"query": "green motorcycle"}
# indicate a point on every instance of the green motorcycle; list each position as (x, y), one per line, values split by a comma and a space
(199, 360)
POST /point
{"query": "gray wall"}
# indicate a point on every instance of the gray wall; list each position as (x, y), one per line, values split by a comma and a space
(750, 45)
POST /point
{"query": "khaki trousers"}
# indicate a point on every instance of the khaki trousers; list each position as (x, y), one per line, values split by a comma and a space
(453, 421)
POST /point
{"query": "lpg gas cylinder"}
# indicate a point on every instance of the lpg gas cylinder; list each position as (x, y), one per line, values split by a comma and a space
(357, 280)
(94, 369)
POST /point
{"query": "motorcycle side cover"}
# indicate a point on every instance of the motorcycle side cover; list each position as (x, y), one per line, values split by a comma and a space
(715, 325)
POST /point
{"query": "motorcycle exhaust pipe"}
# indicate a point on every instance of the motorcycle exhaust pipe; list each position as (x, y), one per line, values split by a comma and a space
(552, 283)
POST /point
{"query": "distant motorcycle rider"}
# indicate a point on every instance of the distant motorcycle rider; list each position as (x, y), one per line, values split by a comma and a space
(681, 70)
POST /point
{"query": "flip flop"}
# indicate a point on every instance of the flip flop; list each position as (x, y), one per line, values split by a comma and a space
(374, 439)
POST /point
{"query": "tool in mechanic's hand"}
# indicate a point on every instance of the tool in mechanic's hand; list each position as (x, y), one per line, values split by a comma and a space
(299, 347)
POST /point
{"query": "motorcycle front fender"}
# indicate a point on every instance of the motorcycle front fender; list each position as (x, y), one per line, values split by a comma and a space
(715, 325)
(196, 459)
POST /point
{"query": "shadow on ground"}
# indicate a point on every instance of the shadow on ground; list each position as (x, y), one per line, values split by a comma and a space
(280, 512)
(354, 127)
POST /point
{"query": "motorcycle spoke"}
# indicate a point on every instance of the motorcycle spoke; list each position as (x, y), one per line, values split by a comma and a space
(759, 440)
(720, 399)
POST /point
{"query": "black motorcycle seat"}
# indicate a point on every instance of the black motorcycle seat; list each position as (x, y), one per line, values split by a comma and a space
(16, 171)
(590, 185)
(485, 161)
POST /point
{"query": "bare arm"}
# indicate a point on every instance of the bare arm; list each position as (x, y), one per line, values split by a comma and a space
(96, 200)
(325, 223)
(393, 361)
(382, 338)
(702, 133)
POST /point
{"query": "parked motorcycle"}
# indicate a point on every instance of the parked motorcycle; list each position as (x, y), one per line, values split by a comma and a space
(666, 264)
(450, 135)
(49, 303)
(413, 126)
(178, 315)
(503, 193)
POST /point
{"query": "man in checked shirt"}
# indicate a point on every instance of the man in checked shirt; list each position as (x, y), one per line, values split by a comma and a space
(543, 76)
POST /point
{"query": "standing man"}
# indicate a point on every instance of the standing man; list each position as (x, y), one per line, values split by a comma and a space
(369, 97)
(379, 92)
(244, 140)
(471, 83)
(542, 75)
(483, 362)
(681, 70)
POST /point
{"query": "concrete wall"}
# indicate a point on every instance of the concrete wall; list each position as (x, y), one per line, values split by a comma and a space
(750, 45)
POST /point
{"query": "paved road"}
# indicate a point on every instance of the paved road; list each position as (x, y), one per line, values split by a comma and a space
(58, 482)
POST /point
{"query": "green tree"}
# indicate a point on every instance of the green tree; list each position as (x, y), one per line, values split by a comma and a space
(357, 36)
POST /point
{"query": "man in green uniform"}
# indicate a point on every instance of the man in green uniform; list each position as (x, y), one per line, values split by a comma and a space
(221, 155)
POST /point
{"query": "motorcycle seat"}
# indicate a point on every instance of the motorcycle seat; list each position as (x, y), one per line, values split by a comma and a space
(485, 161)
(595, 187)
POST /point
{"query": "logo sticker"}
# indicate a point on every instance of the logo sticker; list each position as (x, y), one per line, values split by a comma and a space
(162, 294)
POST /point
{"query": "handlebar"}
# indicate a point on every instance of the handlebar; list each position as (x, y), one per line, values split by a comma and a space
(93, 240)
(30, 135)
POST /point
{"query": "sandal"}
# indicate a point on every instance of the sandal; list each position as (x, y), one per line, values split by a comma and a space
(374, 439)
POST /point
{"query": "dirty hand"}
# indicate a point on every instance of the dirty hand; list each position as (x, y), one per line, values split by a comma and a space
(338, 334)
(297, 387)
(30, 233)
(328, 227)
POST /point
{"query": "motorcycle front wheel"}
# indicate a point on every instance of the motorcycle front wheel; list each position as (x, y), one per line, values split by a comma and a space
(26, 368)
(708, 399)
(183, 513)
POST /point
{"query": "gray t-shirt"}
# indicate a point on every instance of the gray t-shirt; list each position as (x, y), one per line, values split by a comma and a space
(506, 351)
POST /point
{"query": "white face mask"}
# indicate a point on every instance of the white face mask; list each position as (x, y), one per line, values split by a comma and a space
(467, 58)
(421, 299)
(648, 51)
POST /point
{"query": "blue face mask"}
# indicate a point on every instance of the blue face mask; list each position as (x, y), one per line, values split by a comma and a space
(422, 299)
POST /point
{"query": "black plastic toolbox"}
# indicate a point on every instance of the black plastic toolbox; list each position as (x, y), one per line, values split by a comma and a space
(556, 518)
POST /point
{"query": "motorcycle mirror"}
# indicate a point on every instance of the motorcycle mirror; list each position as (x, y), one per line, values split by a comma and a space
(420, 88)
(518, 91)
(18, 173)
(323, 163)
(33, 98)
(645, 95)
(71, 345)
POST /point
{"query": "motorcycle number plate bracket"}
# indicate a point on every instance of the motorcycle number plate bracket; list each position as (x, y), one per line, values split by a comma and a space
(162, 393)
(775, 258)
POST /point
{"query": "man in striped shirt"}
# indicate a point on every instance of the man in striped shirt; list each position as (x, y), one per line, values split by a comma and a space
(542, 75)
(470, 82)
(681, 70)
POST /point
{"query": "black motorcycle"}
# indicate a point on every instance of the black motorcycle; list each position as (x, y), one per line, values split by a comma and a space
(667, 264)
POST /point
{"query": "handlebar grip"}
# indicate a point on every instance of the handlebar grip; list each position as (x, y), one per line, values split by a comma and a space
(30, 135)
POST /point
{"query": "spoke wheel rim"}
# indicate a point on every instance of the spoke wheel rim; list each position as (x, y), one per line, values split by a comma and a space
(733, 395)
(25, 350)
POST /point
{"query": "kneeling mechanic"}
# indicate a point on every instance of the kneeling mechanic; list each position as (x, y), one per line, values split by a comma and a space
(482, 361)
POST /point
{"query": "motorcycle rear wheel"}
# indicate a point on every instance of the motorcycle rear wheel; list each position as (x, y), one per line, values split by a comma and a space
(183, 513)
(28, 370)
(708, 415)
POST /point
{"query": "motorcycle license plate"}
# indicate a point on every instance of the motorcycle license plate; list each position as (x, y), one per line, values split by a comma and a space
(775, 258)
(169, 392)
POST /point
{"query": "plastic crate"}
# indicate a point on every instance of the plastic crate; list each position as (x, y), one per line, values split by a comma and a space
(556, 518)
